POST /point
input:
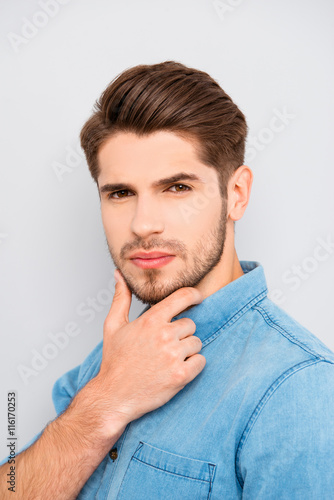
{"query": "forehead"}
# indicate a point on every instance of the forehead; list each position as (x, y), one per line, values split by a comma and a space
(154, 155)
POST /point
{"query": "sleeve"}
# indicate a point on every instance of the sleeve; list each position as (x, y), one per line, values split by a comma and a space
(68, 385)
(65, 389)
(288, 449)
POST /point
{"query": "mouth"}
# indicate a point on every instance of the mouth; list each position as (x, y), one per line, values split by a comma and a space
(151, 260)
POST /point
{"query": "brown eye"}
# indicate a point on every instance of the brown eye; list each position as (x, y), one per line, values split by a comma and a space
(110, 195)
(182, 190)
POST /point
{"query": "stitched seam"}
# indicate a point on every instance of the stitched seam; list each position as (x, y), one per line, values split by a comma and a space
(173, 473)
(144, 443)
(126, 470)
(270, 322)
(212, 471)
(261, 404)
(236, 316)
(109, 465)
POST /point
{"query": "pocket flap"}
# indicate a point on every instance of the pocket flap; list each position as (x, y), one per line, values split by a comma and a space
(175, 464)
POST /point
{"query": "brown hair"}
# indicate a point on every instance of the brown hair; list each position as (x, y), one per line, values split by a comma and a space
(173, 97)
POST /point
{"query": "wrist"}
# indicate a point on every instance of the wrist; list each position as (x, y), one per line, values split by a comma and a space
(98, 417)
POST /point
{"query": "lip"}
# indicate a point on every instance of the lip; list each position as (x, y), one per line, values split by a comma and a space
(150, 255)
(151, 260)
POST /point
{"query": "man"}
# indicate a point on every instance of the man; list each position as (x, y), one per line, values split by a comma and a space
(213, 391)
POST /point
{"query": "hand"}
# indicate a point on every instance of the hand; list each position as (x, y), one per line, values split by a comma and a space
(146, 362)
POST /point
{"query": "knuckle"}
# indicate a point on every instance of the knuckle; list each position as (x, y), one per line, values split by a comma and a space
(186, 292)
(194, 293)
(172, 355)
(164, 336)
(188, 322)
(198, 342)
(191, 324)
(201, 361)
(179, 375)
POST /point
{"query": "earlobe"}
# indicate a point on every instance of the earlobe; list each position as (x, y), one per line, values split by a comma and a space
(239, 191)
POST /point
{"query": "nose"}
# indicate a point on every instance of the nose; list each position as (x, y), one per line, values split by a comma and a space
(147, 218)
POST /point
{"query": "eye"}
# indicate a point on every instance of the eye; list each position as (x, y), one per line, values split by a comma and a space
(110, 195)
(122, 191)
(183, 190)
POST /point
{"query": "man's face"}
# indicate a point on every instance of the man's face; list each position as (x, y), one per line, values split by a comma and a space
(185, 218)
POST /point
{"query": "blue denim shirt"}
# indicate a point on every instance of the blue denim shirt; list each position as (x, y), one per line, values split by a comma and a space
(256, 423)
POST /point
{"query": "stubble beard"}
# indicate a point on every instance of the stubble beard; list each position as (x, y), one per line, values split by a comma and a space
(203, 259)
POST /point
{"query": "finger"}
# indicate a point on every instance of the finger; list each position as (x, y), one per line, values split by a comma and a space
(191, 345)
(183, 327)
(194, 366)
(176, 302)
(120, 306)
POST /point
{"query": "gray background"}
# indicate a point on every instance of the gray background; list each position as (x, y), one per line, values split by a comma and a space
(272, 58)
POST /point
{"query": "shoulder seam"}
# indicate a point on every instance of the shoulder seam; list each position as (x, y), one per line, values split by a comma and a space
(286, 334)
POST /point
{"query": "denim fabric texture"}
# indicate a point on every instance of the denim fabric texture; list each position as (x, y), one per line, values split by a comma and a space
(256, 423)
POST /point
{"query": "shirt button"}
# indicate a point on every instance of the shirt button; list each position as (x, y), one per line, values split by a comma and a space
(113, 454)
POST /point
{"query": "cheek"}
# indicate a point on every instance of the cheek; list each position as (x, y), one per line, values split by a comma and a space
(114, 227)
(198, 215)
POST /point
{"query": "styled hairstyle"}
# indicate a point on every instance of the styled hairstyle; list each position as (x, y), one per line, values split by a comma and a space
(172, 97)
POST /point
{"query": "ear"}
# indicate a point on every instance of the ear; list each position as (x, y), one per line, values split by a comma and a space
(239, 189)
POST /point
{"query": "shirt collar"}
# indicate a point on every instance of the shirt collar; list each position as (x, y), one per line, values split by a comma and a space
(219, 310)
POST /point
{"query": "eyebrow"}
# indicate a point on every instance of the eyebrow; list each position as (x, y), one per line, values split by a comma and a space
(107, 188)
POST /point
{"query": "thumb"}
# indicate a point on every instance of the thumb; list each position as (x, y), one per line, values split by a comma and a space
(120, 306)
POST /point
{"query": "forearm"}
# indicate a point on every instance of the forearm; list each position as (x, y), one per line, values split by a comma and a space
(70, 448)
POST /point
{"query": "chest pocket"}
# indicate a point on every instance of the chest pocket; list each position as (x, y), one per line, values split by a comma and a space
(155, 474)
